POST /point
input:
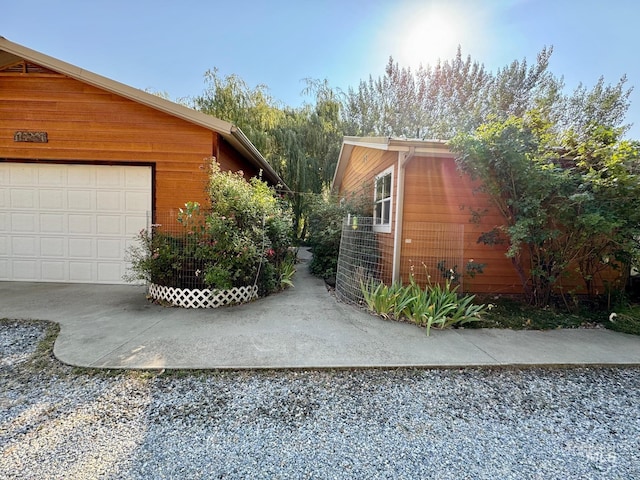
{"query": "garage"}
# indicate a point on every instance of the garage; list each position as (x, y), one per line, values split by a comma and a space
(70, 222)
(86, 160)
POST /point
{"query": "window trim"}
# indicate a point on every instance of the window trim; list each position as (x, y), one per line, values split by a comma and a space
(383, 227)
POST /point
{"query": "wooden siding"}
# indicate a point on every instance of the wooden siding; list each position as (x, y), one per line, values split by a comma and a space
(359, 175)
(86, 124)
(435, 191)
(230, 159)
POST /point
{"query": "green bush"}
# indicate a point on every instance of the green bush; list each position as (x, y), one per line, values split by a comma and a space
(325, 231)
(245, 237)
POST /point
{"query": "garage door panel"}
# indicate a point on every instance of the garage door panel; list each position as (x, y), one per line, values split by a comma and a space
(52, 223)
(82, 272)
(134, 201)
(24, 246)
(23, 198)
(81, 224)
(81, 200)
(54, 271)
(109, 178)
(52, 176)
(137, 179)
(81, 177)
(108, 248)
(109, 225)
(53, 247)
(52, 199)
(108, 201)
(23, 222)
(70, 223)
(26, 270)
(133, 224)
(82, 248)
(109, 272)
(23, 174)
(5, 274)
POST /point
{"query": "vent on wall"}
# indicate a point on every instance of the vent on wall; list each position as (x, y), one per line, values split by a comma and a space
(25, 67)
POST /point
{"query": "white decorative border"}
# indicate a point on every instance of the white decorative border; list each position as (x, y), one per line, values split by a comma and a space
(205, 298)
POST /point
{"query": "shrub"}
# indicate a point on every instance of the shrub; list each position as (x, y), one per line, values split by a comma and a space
(325, 231)
(245, 237)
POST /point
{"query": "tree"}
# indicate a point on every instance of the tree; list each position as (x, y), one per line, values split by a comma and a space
(302, 144)
(458, 95)
(566, 208)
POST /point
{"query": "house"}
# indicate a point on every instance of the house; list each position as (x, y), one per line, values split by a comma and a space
(427, 216)
(85, 160)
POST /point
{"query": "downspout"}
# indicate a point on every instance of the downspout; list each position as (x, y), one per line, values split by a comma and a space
(403, 159)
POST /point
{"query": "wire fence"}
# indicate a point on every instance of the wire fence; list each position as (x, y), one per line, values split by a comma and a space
(430, 253)
(175, 246)
(360, 259)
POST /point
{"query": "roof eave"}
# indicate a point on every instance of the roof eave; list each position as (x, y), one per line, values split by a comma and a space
(228, 131)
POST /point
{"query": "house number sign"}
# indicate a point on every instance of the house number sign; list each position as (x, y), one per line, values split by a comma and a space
(31, 137)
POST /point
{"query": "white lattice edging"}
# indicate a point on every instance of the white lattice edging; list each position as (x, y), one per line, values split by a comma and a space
(205, 298)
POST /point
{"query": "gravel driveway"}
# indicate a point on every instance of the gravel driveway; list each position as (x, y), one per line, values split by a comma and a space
(57, 422)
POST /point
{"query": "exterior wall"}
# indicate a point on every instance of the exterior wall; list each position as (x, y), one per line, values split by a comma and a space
(435, 191)
(358, 180)
(89, 125)
(229, 159)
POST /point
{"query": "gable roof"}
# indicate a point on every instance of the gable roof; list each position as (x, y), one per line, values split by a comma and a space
(433, 148)
(12, 54)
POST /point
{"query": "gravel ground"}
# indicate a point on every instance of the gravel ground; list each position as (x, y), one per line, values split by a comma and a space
(59, 422)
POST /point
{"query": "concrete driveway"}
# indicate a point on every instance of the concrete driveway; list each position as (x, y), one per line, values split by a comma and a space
(114, 326)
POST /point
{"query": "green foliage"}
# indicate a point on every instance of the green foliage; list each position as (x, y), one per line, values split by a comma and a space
(287, 270)
(325, 231)
(458, 95)
(302, 144)
(567, 210)
(625, 320)
(436, 305)
(244, 238)
(512, 313)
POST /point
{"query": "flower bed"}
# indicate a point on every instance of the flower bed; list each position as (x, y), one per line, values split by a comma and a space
(202, 298)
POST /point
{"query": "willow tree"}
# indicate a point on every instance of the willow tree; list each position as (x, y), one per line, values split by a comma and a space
(301, 144)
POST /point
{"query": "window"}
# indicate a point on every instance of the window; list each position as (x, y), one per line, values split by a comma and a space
(382, 201)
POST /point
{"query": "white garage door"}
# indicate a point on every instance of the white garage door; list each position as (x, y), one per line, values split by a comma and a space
(70, 223)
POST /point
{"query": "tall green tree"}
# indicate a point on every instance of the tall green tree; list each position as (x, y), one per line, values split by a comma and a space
(458, 95)
(302, 144)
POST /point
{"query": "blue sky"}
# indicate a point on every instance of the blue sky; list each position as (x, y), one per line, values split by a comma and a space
(167, 46)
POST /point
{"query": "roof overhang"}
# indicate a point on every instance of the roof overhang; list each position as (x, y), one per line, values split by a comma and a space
(11, 52)
(420, 148)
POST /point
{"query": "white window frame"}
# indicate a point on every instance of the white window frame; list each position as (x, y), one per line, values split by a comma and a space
(386, 202)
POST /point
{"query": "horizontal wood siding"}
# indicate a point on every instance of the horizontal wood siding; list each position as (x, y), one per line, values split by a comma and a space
(86, 124)
(435, 191)
(230, 159)
(357, 183)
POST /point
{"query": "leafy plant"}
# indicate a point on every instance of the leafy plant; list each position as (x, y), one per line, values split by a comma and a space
(287, 271)
(567, 210)
(244, 238)
(379, 297)
(325, 232)
(434, 306)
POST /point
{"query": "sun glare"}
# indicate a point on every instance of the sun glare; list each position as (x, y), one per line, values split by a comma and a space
(431, 35)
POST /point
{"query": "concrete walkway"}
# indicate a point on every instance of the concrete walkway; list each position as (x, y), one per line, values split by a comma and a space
(114, 326)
